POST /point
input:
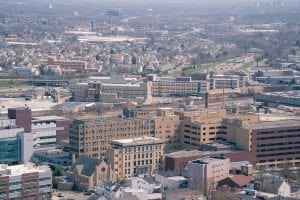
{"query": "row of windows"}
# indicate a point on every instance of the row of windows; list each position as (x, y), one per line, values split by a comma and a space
(278, 144)
(280, 154)
(278, 149)
(25, 189)
(279, 137)
(278, 131)
(25, 182)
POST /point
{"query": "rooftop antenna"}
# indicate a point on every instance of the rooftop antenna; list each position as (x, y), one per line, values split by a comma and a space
(223, 94)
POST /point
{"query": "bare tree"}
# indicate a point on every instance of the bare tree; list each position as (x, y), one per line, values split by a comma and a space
(257, 59)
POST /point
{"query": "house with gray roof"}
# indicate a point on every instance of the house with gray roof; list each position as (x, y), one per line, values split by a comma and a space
(278, 186)
(86, 173)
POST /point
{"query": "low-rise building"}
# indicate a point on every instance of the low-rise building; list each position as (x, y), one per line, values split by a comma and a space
(52, 157)
(171, 182)
(147, 183)
(205, 173)
(86, 173)
(110, 190)
(278, 186)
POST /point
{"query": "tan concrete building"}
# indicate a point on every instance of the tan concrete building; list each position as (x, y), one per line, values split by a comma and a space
(208, 126)
(167, 128)
(201, 127)
(236, 131)
(91, 137)
(132, 157)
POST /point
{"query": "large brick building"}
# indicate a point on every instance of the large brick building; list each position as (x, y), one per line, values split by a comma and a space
(92, 137)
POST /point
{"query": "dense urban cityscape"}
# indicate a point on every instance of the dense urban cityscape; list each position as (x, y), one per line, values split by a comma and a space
(150, 100)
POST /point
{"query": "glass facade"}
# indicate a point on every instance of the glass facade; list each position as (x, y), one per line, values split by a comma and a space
(10, 150)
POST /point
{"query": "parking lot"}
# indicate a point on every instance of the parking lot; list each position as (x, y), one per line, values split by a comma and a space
(70, 195)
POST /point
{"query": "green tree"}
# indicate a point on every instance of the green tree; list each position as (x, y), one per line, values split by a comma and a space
(58, 171)
(98, 57)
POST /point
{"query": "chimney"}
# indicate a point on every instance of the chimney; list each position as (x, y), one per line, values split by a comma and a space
(206, 99)
(73, 158)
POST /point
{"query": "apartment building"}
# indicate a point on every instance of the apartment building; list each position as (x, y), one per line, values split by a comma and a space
(92, 137)
(136, 156)
(25, 182)
(204, 173)
(167, 128)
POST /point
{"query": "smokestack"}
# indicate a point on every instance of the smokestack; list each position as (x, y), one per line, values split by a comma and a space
(92, 25)
(206, 99)
(73, 158)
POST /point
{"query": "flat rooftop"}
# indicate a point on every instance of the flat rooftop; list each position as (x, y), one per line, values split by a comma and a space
(177, 178)
(274, 124)
(111, 119)
(192, 153)
(208, 160)
(17, 170)
(48, 118)
(136, 141)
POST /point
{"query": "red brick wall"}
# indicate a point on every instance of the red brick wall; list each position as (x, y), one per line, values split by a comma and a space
(63, 134)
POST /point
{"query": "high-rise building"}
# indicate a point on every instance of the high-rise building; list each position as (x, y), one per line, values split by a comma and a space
(92, 137)
(25, 182)
(132, 157)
